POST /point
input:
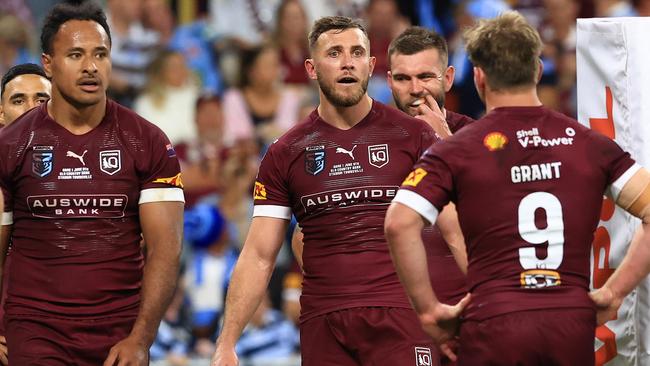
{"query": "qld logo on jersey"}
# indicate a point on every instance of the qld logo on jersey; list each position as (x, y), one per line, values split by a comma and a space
(423, 356)
(110, 161)
(378, 155)
(42, 160)
(55, 206)
(314, 159)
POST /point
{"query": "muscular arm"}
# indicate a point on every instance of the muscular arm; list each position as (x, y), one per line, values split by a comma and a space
(450, 228)
(298, 244)
(635, 198)
(403, 227)
(249, 282)
(162, 228)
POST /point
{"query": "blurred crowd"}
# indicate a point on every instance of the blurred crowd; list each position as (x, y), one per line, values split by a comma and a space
(225, 78)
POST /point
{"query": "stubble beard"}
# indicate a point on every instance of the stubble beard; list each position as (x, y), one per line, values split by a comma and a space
(338, 100)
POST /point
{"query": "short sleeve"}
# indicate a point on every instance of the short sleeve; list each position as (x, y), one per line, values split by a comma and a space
(617, 164)
(429, 187)
(271, 193)
(160, 178)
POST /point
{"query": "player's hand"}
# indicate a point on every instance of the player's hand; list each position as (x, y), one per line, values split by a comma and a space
(4, 353)
(607, 304)
(431, 114)
(128, 352)
(442, 324)
(224, 356)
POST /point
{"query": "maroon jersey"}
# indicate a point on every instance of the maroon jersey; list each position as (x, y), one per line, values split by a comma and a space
(73, 200)
(528, 185)
(338, 184)
(456, 121)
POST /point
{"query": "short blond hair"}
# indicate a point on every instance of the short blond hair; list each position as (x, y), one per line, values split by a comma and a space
(507, 48)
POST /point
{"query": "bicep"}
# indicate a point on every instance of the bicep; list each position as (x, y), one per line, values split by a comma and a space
(161, 222)
(265, 237)
(634, 197)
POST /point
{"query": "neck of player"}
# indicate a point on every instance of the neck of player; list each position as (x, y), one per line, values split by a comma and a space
(78, 119)
(344, 117)
(526, 97)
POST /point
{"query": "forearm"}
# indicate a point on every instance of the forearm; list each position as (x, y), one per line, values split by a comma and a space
(635, 266)
(162, 229)
(404, 234)
(450, 229)
(247, 287)
(158, 285)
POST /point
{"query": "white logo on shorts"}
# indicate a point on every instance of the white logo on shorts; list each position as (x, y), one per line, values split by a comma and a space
(422, 356)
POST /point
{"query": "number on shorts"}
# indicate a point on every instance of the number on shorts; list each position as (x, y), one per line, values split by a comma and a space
(553, 233)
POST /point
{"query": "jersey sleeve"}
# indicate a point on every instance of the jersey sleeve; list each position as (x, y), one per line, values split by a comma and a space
(617, 164)
(428, 188)
(161, 173)
(271, 194)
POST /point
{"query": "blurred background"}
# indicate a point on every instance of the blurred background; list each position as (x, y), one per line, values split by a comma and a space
(224, 78)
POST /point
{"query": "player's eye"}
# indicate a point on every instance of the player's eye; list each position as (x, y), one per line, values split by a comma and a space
(18, 102)
(40, 101)
(333, 53)
(75, 55)
(358, 53)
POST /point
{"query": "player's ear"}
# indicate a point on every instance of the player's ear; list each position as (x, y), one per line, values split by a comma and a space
(373, 61)
(389, 79)
(540, 70)
(311, 69)
(2, 115)
(46, 61)
(450, 73)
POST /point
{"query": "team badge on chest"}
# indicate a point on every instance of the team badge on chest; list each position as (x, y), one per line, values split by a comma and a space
(378, 155)
(110, 161)
(42, 160)
(314, 159)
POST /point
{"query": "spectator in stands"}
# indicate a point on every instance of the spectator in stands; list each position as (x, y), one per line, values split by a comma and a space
(261, 109)
(290, 37)
(208, 272)
(169, 97)
(269, 338)
(14, 45)
(133, 48)
(384, 23)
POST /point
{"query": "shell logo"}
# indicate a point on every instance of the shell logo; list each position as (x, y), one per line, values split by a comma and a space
(495, 141)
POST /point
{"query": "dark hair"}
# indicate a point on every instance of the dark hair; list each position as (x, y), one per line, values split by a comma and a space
(339, 23)
(71, 10)
(247, 60)
(22, 69)
(418, 39)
